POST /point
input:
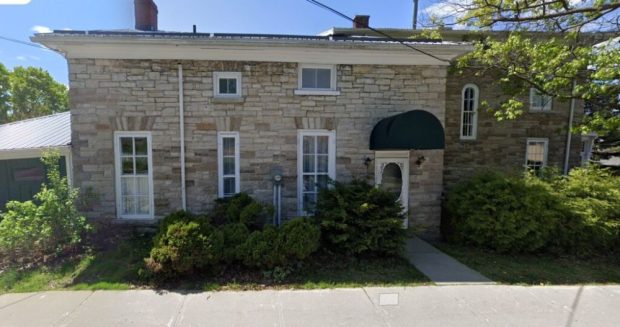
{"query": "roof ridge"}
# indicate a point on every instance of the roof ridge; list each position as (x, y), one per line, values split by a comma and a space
(34, 118)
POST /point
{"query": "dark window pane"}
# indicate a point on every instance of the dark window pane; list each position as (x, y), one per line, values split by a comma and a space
(322, 163)
(127, 145)
(308, 78)
(309, 202)
(308, 163)
(228, 144)
(229, 186)
(322, 181)
(309, 183)
(308, 144)
(323, 78)
(229, 166)
(127, 164)
(142, 166)
(232, 86)
(141, 145)
(322, 143)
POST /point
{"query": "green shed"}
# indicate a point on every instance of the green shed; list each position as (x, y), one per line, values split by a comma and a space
(21, 145)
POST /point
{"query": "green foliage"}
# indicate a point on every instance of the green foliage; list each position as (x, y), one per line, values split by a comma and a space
(359, 219)
(299, 238)
(578, 213)
(29, 92)
(503, 213)
(50, 224)
(235, 236)
(262, 250)
(185, 246)
(241, 208)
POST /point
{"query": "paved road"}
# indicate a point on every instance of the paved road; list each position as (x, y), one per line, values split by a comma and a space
(464, 305)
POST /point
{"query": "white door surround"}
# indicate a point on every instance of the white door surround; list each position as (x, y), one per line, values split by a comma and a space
(395, 166)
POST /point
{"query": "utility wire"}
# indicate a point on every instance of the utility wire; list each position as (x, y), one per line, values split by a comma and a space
(23, 42)
(328, 8)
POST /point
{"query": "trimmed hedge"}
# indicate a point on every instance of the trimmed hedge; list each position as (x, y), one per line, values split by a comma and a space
(576, 214)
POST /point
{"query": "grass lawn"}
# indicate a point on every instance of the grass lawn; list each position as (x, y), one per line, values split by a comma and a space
(537, 269)
(121, 267)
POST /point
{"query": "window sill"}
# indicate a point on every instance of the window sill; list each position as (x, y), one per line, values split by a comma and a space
(228, 100)
(466, 139)
(135, 221)
(316, 92)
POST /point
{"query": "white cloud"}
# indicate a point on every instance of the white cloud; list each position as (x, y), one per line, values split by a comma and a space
(34, 58)
(40, 28)
(14, 2)
(21, 58)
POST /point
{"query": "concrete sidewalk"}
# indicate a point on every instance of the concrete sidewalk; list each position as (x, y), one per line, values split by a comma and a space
(440, 267)
(455, 305)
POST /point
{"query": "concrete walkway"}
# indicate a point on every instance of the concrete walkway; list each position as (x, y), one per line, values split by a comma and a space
(452, 305)
(440, 267)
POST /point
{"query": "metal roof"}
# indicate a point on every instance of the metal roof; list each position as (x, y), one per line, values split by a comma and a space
(246, 36)
(41, 132)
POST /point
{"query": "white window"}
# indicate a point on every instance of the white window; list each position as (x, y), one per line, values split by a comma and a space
(317, 79)
(134, 175)
(536, 153)
(469, 112)
(539, 101)
(228, 163)
(316, 165)
(227, 84)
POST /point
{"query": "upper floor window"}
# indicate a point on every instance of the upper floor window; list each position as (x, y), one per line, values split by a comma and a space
(469, 112)
(536, 153)
(227, 84)
(539, 101)
(317, 79)
(228, 163)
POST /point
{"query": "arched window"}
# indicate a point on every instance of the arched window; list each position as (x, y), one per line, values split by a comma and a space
(469, 112)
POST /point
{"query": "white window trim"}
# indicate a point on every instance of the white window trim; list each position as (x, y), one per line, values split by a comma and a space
(311, 91)
(546, 149)
(220, 161)
(216, 84)
(331, 161)
(533, 108)
(474, 129)
(117, 172)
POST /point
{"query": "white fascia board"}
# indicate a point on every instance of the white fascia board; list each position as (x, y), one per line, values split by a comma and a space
(33, 152)
(244, 50)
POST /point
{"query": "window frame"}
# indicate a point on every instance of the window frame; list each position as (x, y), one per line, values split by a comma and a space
(331, 161)
(227, 75)
(332, 90)
(474, 129)
(118, 173)
(546, 108)
(220, 162)
(545, 141)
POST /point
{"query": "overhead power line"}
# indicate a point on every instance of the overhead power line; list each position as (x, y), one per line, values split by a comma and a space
(338, 13)
(23, 42)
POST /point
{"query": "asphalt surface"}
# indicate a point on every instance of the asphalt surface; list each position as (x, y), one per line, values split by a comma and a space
(449, 305)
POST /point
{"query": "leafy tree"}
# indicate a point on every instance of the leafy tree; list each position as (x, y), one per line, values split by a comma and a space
(565, 49)
(28, 92)
(4, 94)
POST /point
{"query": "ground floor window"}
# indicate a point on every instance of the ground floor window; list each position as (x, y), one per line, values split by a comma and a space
(316, 165)
(228, 163)
(134, 176)
(536, 153)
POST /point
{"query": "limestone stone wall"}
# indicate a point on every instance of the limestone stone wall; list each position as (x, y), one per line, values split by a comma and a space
(142, 95)
(501, 144)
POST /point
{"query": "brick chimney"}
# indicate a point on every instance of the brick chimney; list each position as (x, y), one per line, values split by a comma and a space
(146, 15)
(361, 21)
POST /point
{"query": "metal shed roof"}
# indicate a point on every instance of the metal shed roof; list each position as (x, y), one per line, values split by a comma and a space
(41, 132)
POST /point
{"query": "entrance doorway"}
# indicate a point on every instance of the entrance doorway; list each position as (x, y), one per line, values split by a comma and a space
(392, 175)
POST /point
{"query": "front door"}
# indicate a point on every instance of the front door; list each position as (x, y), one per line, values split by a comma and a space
(392, 174)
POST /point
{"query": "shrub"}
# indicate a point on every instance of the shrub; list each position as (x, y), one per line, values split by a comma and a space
(185, 246)
(241, 208)
(235, 236)
(359, 219)
(503, 213)
(299, 239)
(50, 224)
(262, 250)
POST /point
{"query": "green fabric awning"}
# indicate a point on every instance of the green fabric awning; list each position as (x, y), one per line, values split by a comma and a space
(412, 130)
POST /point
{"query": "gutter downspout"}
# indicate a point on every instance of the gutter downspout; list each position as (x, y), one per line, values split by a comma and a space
(569, 132)
(182, 136)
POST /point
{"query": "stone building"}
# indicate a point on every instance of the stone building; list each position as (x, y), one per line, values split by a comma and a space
(163, 121)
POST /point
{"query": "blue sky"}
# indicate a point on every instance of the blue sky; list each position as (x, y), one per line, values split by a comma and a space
(239, 16)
